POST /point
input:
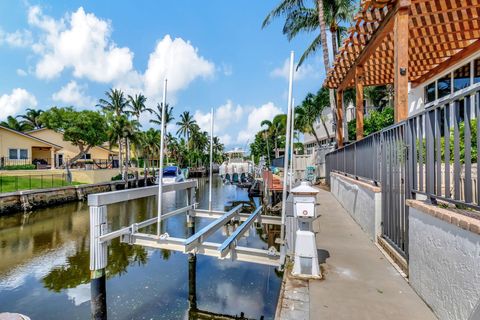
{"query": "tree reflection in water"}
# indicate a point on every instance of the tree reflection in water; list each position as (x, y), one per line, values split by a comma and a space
(76, 271)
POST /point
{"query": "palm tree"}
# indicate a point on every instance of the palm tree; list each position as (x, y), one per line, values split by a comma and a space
(302, 19)
(137, 105)
(116, 105)
(31, 118)
(14, 124)
(158, 114)
(276, 128)
(310, 111)
(186, 125)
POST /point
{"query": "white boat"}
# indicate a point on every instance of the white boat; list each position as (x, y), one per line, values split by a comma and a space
(171, 174)
(236, 169)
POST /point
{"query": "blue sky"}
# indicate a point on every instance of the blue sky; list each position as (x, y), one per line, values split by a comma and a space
(214, 53)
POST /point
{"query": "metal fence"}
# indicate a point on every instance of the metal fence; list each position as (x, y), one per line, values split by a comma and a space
(430, 155)
(10, 183)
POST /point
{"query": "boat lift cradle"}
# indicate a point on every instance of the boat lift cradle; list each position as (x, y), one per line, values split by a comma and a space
(196, 243)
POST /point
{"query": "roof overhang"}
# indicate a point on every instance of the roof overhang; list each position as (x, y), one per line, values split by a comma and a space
(440, 33)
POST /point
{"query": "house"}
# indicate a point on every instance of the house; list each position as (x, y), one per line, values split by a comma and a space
(68, 150)
(18, 148)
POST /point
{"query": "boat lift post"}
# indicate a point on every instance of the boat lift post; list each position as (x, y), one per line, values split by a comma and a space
(292, 168)
(210, 181)
(287, 147)
(160, 171)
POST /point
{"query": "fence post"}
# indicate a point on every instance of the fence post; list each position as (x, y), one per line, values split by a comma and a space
(98, 262)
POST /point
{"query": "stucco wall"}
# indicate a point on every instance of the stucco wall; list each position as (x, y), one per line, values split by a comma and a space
(444, 265)
(68, 149)
(361, 201)
(10, 139)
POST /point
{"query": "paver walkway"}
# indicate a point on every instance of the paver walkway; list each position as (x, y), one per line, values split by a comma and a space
(359, 282)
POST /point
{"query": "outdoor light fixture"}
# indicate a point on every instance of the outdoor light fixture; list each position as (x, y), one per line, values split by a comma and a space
(403, 71)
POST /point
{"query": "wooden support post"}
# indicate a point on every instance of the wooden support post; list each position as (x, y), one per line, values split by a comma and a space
(359, 101)
(400, 40)
(339, 118)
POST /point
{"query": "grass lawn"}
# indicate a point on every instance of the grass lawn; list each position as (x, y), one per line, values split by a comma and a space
(15, 183)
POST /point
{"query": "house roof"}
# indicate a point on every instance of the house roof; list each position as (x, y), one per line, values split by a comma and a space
(31, 137)
(441, 33)
(40, 129)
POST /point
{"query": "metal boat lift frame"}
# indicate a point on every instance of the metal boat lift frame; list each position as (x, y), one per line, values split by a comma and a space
(196, 243)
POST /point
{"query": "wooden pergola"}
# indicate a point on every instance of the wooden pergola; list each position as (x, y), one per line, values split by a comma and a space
(401, 41)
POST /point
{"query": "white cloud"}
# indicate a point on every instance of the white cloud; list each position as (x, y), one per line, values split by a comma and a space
(16, 102)
(21, 72)
(19, 38)
(237, 124)
(74, 94)
(255, 117)
(225, 116)
(179, 62)
(305, 71)
(80, 41)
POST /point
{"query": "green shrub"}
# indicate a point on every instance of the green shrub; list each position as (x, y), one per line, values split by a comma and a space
(20, 167)
(375, 121)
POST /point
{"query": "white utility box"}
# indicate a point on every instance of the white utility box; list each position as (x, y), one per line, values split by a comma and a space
(306, 258)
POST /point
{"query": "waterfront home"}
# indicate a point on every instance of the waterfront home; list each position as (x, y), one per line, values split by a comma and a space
(18, 148)
(414, 187)
(98, 154)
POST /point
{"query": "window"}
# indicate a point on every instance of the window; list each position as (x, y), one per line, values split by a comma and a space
(87, 156)
(444, 86)
(476, 71)
(16, 154)
(461, 77)
(23, 154)
(430, 92)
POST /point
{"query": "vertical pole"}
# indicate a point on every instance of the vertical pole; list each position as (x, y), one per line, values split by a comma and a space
(287, 146)
(292, 124)
(359, 101)
(210, 181)
(339, 118)
(400, 40)
(160, 170)
(98, 263)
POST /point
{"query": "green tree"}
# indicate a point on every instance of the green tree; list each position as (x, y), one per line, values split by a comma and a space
(117, 105)
(375, 121)
(136, 105)
(14, 124)
(276, 129)
(31, 119)
(310, 111)
(299, 19)
(84, 129)
(186, 125)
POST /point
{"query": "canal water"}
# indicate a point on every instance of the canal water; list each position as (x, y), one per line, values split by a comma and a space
(44, 265)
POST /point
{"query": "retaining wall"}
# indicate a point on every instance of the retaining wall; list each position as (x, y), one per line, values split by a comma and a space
(31, 199)
(361, 200)
(444, 260)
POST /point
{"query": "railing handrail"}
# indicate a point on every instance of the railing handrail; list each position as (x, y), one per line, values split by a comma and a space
(106, 198)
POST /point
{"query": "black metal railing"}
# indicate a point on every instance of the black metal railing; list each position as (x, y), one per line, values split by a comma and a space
(432, 155)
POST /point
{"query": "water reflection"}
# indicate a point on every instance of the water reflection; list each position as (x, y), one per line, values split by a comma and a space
(44, 266)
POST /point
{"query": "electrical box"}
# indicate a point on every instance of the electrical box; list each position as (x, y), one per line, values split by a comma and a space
(304, 207)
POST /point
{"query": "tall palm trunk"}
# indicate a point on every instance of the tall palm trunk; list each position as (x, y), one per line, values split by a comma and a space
(127, 160)
(326, 58)
(120, 157)
(334, 34)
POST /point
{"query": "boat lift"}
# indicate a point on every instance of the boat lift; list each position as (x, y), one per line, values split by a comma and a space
(196, 243)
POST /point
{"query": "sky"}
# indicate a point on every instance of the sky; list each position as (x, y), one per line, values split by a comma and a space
(214, 54)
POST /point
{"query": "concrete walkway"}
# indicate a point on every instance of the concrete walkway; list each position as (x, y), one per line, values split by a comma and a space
(359, 282)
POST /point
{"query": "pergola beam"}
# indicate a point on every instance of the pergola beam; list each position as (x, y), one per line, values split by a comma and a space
(400, 42)
(385, 27)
